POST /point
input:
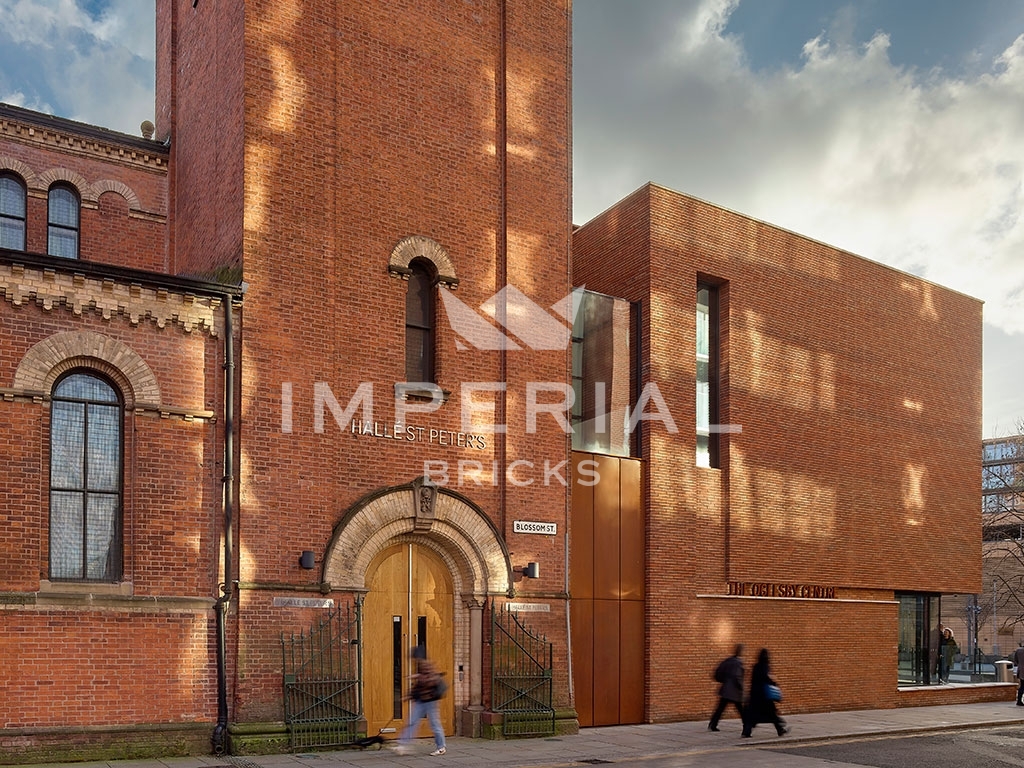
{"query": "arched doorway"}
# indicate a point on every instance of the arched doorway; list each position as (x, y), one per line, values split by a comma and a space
(426, 559)
(410, 603)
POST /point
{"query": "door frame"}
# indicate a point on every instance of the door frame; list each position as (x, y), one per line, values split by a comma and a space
(461, 535)
(395, 618)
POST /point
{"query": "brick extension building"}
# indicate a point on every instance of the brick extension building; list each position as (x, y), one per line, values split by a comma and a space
(231, 317)
(836, 499)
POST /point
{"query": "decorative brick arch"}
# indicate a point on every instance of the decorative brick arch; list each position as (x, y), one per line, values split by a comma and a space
(48, 178)
(420, 247)
(20, 168)
(119, 188)
(445, 521)
(47, 360)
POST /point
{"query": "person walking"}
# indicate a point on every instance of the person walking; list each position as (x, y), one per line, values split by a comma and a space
(427, 687)
(1018, 665)
(729, 673)
(760, 706)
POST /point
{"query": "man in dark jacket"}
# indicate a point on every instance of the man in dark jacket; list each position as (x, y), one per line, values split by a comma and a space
(729, 674)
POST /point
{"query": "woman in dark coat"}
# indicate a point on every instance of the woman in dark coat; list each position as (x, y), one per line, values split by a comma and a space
(761, 709)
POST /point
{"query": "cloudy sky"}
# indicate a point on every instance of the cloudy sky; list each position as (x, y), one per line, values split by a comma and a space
(891, 129)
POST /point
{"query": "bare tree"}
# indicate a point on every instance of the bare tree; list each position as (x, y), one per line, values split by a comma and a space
(1003, 533)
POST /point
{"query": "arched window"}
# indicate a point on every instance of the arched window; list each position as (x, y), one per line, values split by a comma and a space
(63, 222)
(86, 417)
(12, 212)
(419, 323)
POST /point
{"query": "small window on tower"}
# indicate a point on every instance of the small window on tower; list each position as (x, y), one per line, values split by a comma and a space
(419, 323)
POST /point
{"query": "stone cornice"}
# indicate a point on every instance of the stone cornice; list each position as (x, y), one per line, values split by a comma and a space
(51, 133)
(77, 292)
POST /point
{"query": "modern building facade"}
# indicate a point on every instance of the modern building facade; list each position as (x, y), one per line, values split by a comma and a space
(814, 491)
(998, 610)
(299, 383)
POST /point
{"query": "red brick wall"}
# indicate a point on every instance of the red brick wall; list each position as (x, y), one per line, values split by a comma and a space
(109, 232)
(208, 134)
(390, 131)
(108, 659)
(20, 536)
(154, 667)
(858, 389)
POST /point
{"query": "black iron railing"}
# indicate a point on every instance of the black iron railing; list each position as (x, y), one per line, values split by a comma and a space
(521, 688)
(322, 675)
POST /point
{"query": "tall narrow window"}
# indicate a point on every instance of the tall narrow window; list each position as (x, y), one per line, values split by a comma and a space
(86, 415)
(602, 374)
(63, 222)
(12, 212)
(707, 375)
(419, 324)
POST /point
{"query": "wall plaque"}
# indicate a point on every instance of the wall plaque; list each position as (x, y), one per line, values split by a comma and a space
(529, 607)
(303, 602)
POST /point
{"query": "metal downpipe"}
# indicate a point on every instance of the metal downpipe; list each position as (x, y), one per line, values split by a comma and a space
(219, 738)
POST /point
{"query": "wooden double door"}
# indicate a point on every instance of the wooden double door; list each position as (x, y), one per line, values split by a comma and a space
(410, 603)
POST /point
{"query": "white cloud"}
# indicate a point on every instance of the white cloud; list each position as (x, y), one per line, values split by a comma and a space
(919, 170)
(98, 70)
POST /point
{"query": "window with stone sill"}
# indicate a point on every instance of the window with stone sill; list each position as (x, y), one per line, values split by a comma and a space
(63, 222)
(420, 330)
(12, 212)
(86, 479)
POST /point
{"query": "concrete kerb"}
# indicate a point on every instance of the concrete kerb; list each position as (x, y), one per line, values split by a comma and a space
(628, 743)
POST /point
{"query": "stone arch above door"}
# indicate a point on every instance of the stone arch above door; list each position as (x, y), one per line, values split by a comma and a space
(446, 521)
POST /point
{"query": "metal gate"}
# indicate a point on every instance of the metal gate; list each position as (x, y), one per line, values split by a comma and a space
(520, 677)
(322, 682)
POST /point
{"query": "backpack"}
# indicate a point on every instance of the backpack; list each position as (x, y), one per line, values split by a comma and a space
(720, 672)
(432, 688)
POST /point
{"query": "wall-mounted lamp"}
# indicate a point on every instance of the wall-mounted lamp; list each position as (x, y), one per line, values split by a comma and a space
(531, 571)
(307, 559)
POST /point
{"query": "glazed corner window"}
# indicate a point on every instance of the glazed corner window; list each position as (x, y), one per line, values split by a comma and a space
(707, 375)
(12, 212)
(86, 414)
(602, 374)
(919, 661)
(419, 324)
(63, 222)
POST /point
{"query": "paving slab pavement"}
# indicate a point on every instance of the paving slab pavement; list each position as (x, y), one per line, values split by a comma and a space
(615, 743)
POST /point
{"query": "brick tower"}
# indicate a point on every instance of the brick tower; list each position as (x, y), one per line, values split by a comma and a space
(390, 182)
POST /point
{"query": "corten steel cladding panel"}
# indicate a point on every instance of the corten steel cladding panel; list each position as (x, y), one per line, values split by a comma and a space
(606, 530)
(631, 661)
(581, 553)
(582, 613)
(631, 532)
(606, 662)
(607, 583)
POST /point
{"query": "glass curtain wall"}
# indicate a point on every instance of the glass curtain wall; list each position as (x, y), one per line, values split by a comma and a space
(918, 657)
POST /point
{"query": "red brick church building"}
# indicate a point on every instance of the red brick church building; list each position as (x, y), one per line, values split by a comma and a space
(299, 381)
